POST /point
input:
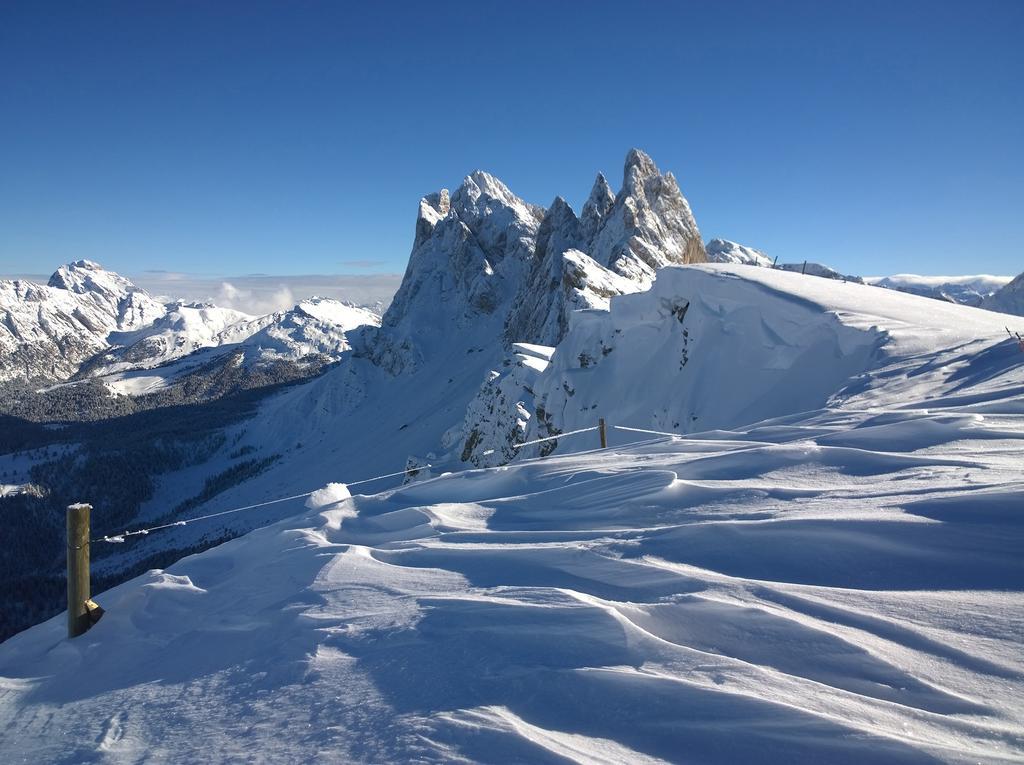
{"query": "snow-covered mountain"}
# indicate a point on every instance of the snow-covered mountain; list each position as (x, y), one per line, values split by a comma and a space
(315, 327)
(1009, 298)
(92, 324)
(183, 329)
(823, 567)
(966, 290)
(47, 332)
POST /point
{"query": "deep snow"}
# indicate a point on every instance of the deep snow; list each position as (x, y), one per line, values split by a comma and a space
(836, 582)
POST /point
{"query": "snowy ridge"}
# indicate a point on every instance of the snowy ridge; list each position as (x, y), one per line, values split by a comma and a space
(1009, 299)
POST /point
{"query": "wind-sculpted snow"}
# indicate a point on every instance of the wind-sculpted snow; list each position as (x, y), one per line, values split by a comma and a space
(841, 587)
(720, 346)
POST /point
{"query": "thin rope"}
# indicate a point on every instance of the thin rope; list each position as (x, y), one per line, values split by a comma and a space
(117, 538)
(641, 430)
(552, 438)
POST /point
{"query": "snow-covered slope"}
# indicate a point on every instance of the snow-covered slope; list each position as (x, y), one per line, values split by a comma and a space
(842, 585)
(792, 344)
(46, 332)
(318, 326)
(185, 328)
(967, 290)
(1009, 298)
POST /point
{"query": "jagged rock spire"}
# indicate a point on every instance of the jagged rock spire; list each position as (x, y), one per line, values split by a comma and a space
(595, 209)
(483, 254)
(649, 226)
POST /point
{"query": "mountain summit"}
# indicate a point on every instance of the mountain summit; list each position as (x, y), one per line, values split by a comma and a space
(483, 257)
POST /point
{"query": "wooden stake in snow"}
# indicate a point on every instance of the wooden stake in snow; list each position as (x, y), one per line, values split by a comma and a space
(804, 269)
(604, 433)
(82, 612)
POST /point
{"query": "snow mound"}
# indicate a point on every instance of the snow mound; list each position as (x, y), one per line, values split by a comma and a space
(331, 494)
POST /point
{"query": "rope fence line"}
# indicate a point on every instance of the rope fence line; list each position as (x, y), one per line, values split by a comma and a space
(83, 612)
(119, 538)
(641, 430)
(552, 438)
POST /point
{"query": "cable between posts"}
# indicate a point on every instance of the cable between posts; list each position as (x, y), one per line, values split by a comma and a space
(118, 538)
(552, 438)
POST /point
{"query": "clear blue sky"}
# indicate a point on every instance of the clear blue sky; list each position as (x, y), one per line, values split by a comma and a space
(297, 137)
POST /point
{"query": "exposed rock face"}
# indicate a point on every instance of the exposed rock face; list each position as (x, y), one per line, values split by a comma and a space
(499, 415)
(649, 226)
(482, 257)
(486, 266)
(596, 209)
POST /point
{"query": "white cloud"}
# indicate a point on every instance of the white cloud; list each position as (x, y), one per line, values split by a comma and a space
(259, 295)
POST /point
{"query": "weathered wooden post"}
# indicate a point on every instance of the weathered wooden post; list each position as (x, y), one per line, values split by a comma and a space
(82, 612)
(604, 433)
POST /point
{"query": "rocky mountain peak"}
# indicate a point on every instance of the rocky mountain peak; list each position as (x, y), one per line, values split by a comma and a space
(85, 276)
(595, 209)
(638, 169)
(649, 226)
(433, 208)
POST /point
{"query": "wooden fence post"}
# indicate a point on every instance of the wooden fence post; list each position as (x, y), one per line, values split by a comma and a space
(604, 433)
(82, 611)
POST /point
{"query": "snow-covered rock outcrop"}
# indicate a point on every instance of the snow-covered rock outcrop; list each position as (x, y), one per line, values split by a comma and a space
(499, 415)
(724, 251)
(483, 259)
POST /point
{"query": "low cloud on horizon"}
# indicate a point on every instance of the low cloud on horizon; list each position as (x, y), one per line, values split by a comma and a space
(259, 294)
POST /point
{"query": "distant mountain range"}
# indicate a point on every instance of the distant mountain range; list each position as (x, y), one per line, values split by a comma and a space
(90, 324)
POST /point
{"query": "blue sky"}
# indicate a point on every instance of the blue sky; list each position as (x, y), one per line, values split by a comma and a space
(296, 138)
